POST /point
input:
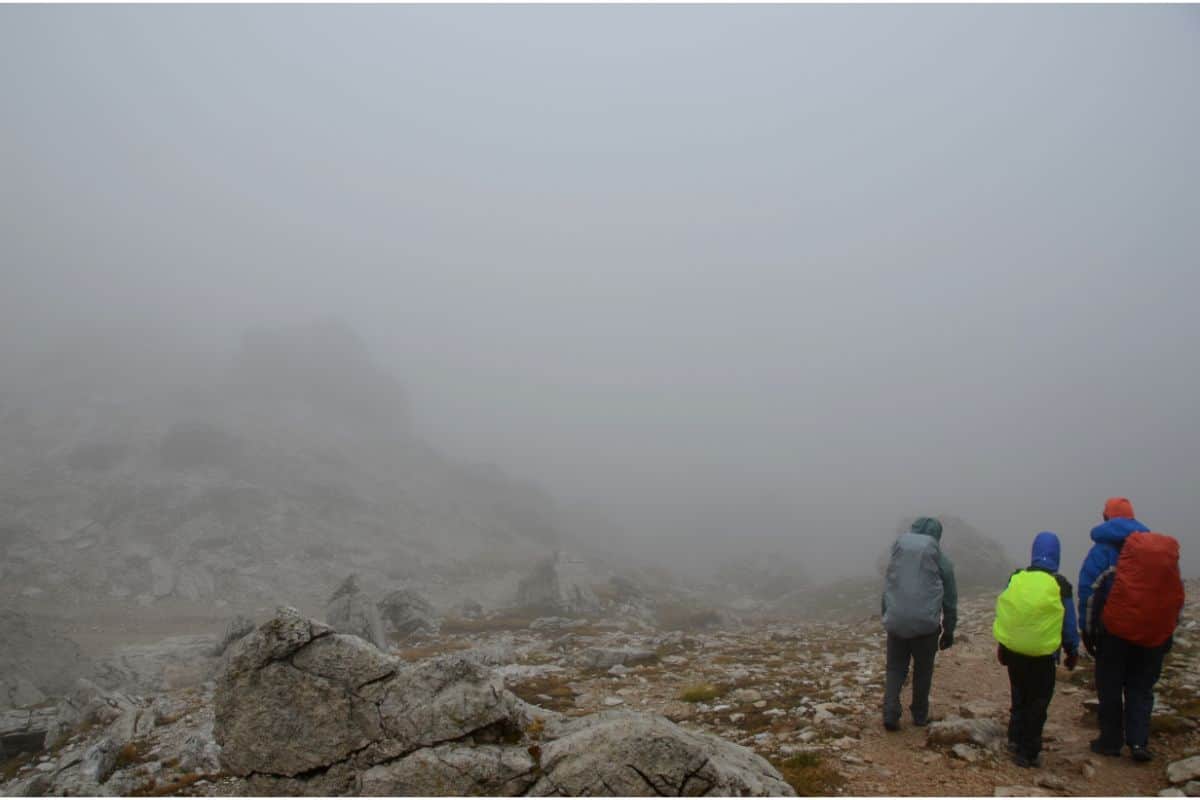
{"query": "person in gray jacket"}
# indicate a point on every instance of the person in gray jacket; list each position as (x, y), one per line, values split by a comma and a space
(920, 598)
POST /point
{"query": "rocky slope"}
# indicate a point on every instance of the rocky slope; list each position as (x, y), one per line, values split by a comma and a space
(135, 476)
(803, 696)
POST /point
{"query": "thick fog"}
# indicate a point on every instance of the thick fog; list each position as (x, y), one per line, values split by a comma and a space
(727, 279)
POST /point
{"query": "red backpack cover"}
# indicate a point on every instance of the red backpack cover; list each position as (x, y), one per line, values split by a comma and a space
(1147, 592)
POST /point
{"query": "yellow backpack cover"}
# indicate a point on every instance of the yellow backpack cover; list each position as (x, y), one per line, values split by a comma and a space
(1029, 614)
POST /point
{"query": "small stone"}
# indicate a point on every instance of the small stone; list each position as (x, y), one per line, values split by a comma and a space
(1018, 791)
(1192, 788)
(1171, 792)
(1088, 771)
(612, 700)
(1054, 782)
(1185, 770)
(965, 752)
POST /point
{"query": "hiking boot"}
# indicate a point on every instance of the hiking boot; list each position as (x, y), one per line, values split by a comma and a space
(890, 725)
(1012, 746)
(1141, 753)
(1099, 747)
(921, 723)
(1025, 762)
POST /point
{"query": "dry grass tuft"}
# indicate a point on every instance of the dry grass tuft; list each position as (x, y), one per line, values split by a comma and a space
(809, 775)
(701, 693)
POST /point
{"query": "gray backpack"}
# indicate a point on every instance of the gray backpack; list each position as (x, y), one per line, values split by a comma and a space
(913, 589)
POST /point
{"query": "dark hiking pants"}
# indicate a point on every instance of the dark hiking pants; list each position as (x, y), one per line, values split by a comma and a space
(1032, 681)
(1125, 678)
(921, 651)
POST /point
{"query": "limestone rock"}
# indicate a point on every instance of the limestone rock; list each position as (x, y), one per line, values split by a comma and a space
(557, 585)
(350, 611)
(966, 753)
(485, 770)
(615, 753)
(406, 611)
(35, 661)
(956, 730)
(607, 657)
(1185, 770)
(170, 663)
(237, 628)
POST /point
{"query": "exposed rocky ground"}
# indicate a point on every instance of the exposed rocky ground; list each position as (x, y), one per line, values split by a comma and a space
(532, 694)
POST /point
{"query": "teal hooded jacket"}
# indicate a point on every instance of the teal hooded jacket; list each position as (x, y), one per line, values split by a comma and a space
(928, 526)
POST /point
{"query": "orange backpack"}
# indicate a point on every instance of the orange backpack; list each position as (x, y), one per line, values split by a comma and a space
(1147, 591)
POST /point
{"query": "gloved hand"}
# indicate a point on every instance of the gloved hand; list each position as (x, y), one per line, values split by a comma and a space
(1088, 644)
(1071, 660)
(1000, 655)
(946, 640)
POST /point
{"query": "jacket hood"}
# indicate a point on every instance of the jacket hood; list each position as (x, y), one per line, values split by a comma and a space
(1115, 530)
(928, 526)
(1047, 551)
(1118, 508)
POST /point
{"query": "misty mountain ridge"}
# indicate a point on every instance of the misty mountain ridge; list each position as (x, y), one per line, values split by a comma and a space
(132, 474)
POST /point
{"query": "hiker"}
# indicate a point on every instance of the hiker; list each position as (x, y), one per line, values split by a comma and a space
(919, 597)
(1035, 621)
(1130, 597)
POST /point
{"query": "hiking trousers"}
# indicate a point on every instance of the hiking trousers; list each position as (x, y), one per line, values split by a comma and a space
(920, 650)
(1031, 679)
(1125, 678)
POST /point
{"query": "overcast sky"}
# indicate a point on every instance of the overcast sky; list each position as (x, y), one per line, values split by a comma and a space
(734, 277)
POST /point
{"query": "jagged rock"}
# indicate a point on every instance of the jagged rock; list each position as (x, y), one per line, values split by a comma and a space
(965, 752)
(100, 759)
(485, 770)
(170, 663)
(606, 657)
(341, 695)
(351, 612)
(35, 660)
(302, 710)
(237, 627)
(1055, 782)
(1018, 791)
(956, 730)
(86, 704)
(1192, 788)
(406, 611)
(1184, 770)
(557, 585)
(1172, 791)
(625, 754)
(200, 753)
(23, 730)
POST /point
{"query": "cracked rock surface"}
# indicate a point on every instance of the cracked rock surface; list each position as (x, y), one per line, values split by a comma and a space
(300, 709)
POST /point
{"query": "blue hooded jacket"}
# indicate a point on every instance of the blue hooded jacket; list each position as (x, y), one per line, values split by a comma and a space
(1047, 551)
(1108, 537)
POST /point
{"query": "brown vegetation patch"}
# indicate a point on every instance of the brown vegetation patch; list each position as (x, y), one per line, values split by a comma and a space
(430, 650)
(562, 696)
(507, 621)
(132, 753)
(701, 693)
(152, 788)
(809, 775)
(10, 768)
